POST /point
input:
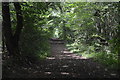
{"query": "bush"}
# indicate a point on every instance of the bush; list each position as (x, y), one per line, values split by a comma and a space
(34, 43)
(102, 54)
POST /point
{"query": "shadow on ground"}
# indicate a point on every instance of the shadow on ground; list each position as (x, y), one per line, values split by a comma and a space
(63, 64)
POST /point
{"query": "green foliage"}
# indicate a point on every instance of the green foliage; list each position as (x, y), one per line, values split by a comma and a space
(34, 40)
(108, 59)
(90, 29)
(104, 55)
(95, 31)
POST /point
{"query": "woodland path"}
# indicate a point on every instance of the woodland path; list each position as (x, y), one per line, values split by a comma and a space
(64, 64)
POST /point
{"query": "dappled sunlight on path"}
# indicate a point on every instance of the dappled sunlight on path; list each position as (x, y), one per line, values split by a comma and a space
(64, 64)
(66, 55)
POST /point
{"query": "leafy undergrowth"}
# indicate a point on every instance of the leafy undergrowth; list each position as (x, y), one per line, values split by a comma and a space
(107, 58)
(15, 66)
(23, 68)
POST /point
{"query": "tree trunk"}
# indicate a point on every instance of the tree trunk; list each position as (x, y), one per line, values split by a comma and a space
(118, 37)
(3, 44)
(7, 31)
(11, 40)
(19, 23)
(64, 31)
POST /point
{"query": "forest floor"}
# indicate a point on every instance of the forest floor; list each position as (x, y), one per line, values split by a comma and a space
(63, 64)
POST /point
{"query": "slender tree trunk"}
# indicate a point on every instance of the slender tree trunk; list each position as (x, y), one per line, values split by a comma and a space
(3, 44)
(7, 31)
(19, 23)
(12, 41)
(118, 37)
(64, 31)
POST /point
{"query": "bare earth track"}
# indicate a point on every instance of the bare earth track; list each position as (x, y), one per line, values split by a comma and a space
(64, 64)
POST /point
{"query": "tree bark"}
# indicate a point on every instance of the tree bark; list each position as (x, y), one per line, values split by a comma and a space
(7, 31)
(12, 41)
(3, 44)
(19, 23)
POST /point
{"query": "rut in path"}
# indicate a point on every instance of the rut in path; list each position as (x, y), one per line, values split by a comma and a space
(64, 64)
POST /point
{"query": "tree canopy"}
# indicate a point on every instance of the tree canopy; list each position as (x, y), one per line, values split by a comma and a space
(88, 29)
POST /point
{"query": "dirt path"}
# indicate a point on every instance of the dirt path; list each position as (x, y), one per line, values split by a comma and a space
(64, 64)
